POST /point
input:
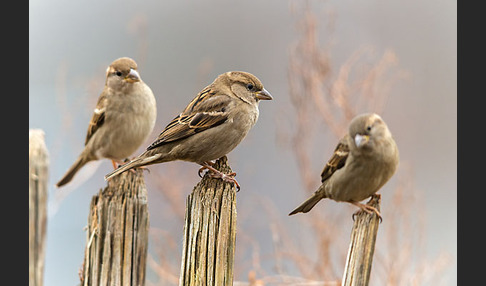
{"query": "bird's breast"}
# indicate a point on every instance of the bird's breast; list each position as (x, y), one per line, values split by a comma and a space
(357, 180)
(213, 143)
(130, 121)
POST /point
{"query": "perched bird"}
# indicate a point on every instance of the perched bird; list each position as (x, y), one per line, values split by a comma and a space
(212, 125)
(122, 120)
(363, 161)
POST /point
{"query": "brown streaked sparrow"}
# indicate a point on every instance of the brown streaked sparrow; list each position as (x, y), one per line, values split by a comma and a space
(211, 126)
(363, 161)
(123, 118)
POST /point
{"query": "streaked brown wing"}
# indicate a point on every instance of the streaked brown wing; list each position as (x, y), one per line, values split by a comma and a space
(97, 119)
(201, 114)
(337, 160)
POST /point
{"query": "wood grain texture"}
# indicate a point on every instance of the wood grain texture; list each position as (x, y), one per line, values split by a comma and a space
(362, 246)
(117, 236)
(38, 175)
(210, 232)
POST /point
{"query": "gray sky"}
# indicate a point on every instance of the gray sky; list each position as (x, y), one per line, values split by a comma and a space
(182, 46)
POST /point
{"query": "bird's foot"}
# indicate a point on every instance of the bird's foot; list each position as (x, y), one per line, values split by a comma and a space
(204, 167)
(115, 164)
(118, 164)
(140, 167)
(368, 209)
(230, 177)
(214, 173)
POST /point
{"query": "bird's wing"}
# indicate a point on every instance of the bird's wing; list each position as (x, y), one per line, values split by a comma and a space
(337, 160)
(205, 111)
(98, 118)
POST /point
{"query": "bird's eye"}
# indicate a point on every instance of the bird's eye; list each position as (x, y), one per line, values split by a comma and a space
(249, 86)
(118, 73)
(368, 128)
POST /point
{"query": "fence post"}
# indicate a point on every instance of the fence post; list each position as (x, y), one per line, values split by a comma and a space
(209, 232)
(362, 246)
(38, 173)
(117, 233)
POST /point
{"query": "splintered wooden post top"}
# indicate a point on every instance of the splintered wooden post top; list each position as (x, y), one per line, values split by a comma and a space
(129, 183)
(117, 236)
(38, 177)
(210, 232)
(362, 246)
(222, 165)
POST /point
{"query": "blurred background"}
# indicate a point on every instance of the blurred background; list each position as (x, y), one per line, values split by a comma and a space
(323, 62)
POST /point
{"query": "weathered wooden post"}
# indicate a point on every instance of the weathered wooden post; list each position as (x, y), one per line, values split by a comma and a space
(362, 246)
(38, 172)
(117, 233)
(210, 232)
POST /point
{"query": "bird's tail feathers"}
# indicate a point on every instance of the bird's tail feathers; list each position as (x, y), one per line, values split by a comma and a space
(137, 162)
(308, 204)
(68, 176)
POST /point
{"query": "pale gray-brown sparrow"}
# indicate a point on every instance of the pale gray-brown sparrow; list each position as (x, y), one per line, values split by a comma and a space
(123, 118)
(363, 161)
(211, 126)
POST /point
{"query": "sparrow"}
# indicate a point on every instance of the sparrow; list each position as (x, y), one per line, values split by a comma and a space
(122, 120)
(362, 162)
(211, 126)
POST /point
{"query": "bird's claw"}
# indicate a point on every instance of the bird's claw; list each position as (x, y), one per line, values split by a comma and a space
(214, 173)
(368, 209)
(201, 170)
(226, 178)
(231, 178)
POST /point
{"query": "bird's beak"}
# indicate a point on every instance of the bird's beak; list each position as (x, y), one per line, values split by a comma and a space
(263, 95)
(361, 139)
(132, 76)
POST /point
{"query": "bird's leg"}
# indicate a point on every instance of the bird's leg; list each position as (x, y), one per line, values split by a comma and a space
(366, 208)
(204, 167)
(214, 173)
(117, 163)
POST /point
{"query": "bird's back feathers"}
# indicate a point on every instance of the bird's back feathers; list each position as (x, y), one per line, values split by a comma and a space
(337, 160)
(197, 117)
(211, 125)
(97, 119)
(357, 170)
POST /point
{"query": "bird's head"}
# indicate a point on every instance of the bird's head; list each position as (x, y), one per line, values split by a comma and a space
(245, 86)
(122, 72)
(365, 129)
